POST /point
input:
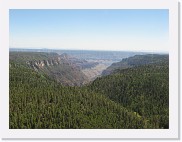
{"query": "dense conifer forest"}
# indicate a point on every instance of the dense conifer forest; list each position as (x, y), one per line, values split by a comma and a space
(136, 97)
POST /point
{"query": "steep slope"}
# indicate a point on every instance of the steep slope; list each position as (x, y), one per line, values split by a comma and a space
(143, 89)
(58, 67)
(91, 69)
(79, 63)
(137, 60)
(37, 102)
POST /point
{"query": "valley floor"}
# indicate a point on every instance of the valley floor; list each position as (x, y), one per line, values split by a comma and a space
(94, 72)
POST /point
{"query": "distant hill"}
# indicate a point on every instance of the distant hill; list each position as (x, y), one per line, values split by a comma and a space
(58, 67)
(85, 54)
(137, 60)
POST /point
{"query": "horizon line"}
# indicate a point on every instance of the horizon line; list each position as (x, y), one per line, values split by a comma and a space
(39, 48)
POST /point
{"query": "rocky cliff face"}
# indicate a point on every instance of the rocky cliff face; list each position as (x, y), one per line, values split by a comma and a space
(44, 63)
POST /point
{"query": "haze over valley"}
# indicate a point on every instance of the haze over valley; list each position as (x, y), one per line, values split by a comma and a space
(90, 63)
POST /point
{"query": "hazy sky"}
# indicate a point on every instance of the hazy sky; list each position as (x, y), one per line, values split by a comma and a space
(141, 30)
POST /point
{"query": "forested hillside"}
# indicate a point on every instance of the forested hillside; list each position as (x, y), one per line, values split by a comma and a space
(38, 102)
(137, 60)
(132, 98)
(143, 89)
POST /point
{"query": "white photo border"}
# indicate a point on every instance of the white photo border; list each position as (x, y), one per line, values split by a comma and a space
(171, 133)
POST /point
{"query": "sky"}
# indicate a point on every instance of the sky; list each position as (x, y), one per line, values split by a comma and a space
(127, 30)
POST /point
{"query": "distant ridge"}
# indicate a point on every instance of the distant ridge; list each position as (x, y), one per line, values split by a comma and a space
(137, 60)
